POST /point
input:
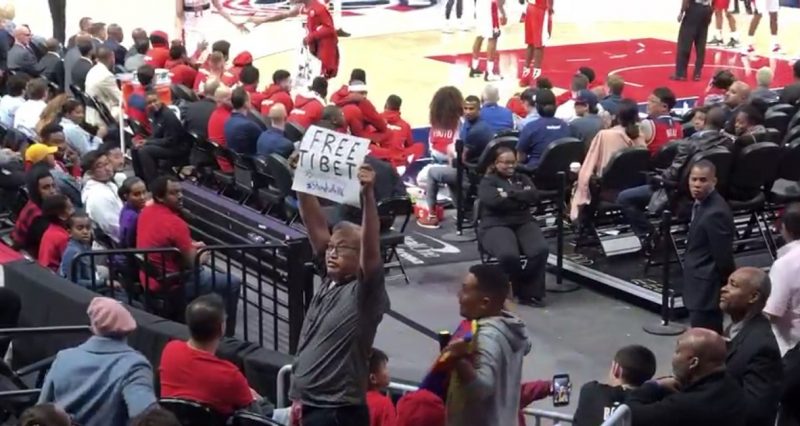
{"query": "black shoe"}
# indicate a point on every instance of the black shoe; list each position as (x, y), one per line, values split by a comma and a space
(342, 33)
(677, 77)
(531, 301)
(475, 73)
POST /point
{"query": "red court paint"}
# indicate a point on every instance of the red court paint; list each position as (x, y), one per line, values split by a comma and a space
(643, 63)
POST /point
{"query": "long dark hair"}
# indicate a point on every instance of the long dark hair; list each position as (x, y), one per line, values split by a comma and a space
(447, 107)
(628, 117)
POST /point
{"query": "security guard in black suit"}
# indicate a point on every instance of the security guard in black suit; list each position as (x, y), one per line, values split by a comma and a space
(695, 17)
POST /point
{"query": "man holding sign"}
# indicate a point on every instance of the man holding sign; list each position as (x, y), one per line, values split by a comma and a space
(330, 371)
(321, 39)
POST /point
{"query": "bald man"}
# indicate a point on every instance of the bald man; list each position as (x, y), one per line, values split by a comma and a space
(21, 57)
(736, 96)
(497, 117)
(754, 359)
(700, 394)
(114, 42)
(272, 140)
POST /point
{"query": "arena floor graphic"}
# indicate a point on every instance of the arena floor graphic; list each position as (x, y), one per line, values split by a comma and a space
(644, 63)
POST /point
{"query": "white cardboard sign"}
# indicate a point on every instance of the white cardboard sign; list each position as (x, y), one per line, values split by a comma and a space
(328, 165)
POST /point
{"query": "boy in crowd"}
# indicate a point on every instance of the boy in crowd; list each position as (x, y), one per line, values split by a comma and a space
(381, 408)
(56, 210)
(632, 366)
(79, 226)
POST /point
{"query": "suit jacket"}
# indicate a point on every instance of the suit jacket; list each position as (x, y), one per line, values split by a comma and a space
(119, 51)
(754, 360)
(51, 67)
(715, 400)
(708, 259)
(5, 45)
(79, 72)
(101, 84)
(22, 59)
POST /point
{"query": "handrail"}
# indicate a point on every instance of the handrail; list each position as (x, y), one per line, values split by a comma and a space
(20, 392)
(45, 330)
(281, 401)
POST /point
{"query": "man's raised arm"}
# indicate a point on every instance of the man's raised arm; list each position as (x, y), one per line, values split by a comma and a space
(371, 260)
(315, 222)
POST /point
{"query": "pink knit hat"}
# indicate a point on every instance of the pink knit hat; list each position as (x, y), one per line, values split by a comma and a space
(110, 318)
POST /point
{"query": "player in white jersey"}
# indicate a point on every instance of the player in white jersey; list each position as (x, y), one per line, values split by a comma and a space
(190, 20)
(760, 7)
(490, 15)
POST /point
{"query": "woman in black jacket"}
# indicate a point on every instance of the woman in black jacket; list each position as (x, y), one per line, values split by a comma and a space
(507, 228)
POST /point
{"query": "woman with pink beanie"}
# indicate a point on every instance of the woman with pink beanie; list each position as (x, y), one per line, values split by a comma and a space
(102, 381)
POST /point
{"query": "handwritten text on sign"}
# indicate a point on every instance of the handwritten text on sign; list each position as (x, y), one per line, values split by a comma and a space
(328, 165)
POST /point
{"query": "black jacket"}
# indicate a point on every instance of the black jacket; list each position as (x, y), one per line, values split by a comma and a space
(597, 401)
(51, 67)
(791, 94)
(708, 259)
(755, 362)
(168, 131)
(196, 116)
(79, 72)
(701, 141)
(511, 209)
(790, 392)
(715, 400)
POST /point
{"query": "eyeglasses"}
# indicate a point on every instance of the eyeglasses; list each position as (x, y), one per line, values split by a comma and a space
(339, 249)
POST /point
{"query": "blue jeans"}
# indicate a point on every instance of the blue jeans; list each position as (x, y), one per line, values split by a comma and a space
(440, 175)
(213, 281)
(634, 203)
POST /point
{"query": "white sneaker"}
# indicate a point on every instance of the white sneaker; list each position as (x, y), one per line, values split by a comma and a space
(492, 77)
(448, 27)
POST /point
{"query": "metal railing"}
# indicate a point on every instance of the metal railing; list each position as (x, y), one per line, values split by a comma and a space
(276, 285)
(284, 380)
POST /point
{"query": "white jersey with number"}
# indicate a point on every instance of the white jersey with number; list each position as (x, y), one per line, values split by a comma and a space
(767, 6)
(487, 20)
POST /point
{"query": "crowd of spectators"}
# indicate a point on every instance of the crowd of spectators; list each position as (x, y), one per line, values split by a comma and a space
(67, 154)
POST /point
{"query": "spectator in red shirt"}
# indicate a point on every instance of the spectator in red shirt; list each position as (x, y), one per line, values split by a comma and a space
(381, 408)
(215, 70)
(221, 385)
(158, 54)
(216, 124)
(420, 408)
(40, 185)
(308, 105)
(446, 109)
(249, 78)
(180, 70)
(278, 92)
(400, 145)
(240, 62)
(56, 209)
(660, 127)
(160, 225)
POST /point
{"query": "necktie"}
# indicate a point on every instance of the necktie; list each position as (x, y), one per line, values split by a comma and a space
(695, 209)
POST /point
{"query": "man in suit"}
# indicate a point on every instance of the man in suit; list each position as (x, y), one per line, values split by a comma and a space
(58, 11)
(83, 28)
(51, 66)
(84, 62)
(21, 57)
(753, 356)
(708, 259)
(114, 42)
(101, 84)
(700, 394)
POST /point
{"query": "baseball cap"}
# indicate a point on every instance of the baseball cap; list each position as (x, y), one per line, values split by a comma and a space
(586, 97)
(38, 152)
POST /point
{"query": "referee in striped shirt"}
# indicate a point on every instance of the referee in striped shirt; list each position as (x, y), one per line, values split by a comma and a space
(695, 17)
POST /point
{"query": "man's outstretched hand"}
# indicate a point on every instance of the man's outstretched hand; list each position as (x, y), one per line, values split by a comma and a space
(366, 175)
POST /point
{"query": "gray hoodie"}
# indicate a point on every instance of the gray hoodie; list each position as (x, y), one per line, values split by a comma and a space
(492, 399)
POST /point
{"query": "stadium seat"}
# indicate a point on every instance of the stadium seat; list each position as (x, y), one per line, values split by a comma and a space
(388, 211)
(202, 157)
(190, 413)
(791, 134)
(785, 189)
(243, 418)
(665, 155)
(283, 178)
(294, 132)
(243, 170)
(776, 120)
(225, 180)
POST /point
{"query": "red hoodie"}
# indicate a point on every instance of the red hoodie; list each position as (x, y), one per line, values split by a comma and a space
(400, 144)
(276, 94)
(372, 126)
(158, 55)
(307, 109)
(340, 94)
(256, 97)
(241, 60)
(203, 75)
(532, 391)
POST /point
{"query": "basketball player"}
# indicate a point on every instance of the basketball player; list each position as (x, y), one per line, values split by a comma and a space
(538, 26)
(490, 15)
(190, 14)
(771, 7)
(720, 7)
(320, 38)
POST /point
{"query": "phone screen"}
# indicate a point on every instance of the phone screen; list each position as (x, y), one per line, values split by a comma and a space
(561, 390)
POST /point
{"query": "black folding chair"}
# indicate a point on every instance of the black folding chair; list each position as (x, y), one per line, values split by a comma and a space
(294, 132)
(388, 211)
(191, 413)
(243, 418)
(665, 155)
(282, 178)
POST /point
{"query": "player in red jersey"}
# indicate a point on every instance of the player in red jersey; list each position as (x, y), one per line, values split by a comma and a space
(490, 15)
(320, 36)
(720, 7)
(538, 26)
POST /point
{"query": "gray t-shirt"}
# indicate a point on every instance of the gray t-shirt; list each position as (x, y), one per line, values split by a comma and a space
(331, 367)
